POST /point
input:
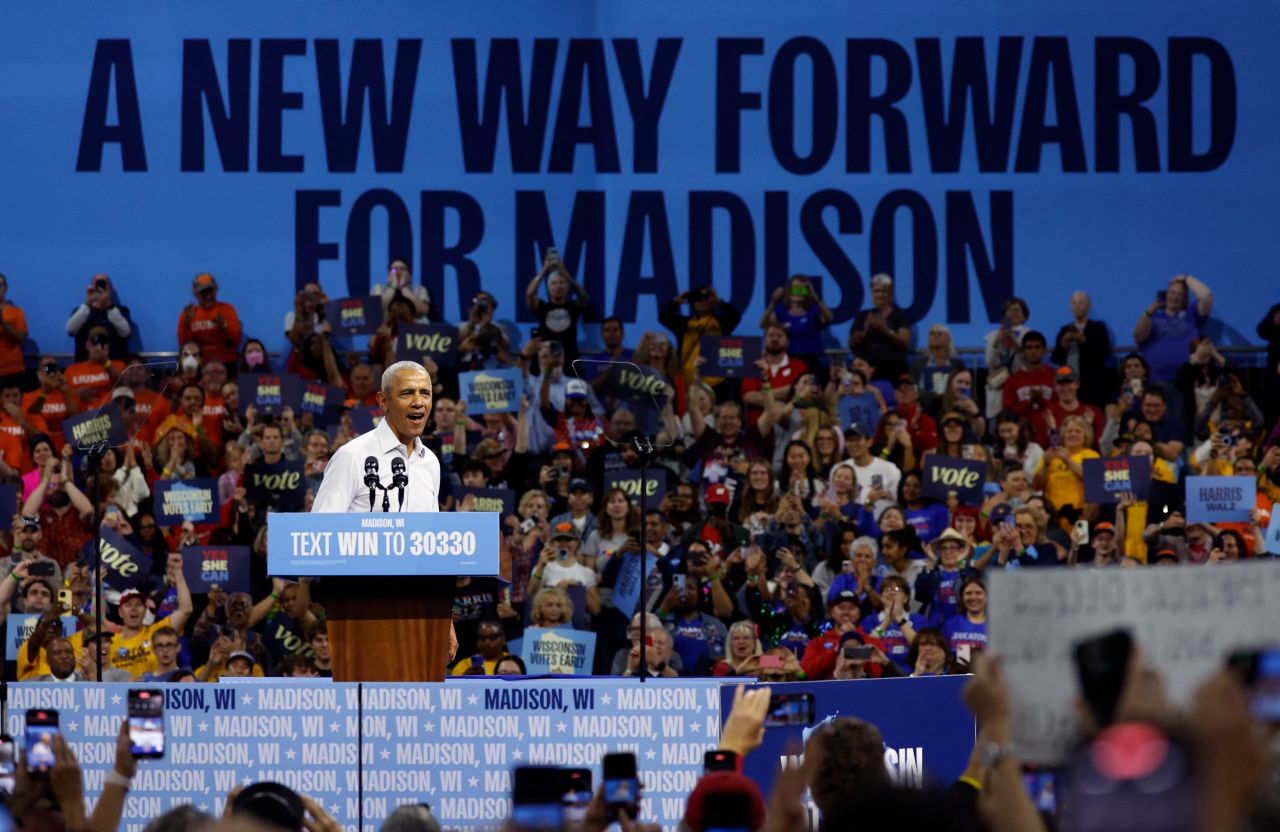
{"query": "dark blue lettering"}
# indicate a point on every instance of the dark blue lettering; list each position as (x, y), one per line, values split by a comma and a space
(1222, 104)
(646, 107)
(359, 229)
(861, 105)
(924, 247)
(389, 131)
(228, 117)
(436, 256)
(993, 266)
(1110, 104)
(777, 240)
(112, 58)
(308, 251)
(731, 100)
(273, 101)
(782, 106)
(646, 218)
(584, 62)
(992, 120)
(742, 243)
(581, 247)
(844, 274)
(1050, 58)
(526, 129)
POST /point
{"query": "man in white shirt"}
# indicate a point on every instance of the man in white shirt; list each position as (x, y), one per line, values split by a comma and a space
(406, 399)
(877, 478)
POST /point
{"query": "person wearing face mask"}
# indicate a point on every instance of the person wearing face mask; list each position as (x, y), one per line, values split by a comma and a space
(253, 358)
(189, 361)
(101, 309)
(212, 324)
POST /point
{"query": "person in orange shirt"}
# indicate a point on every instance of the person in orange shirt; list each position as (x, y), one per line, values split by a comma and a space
(91, 380)
(212, 324)
(13, 331)
(53, 401)
(362, 390)
(16, 422)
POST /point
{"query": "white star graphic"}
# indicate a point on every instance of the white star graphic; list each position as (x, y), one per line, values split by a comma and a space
(115, 699)
(696, 727)
(202, 725)
(246, 781)
(517, 754)
(561, 726)
(334, 808)
(606, 699)
(650, 754)
(247, 699)
(333, 726)
(384, 754)
(204, 807)
(290, 753)
(473, 699)
(73, 727)
(472, 782)
(428, 727)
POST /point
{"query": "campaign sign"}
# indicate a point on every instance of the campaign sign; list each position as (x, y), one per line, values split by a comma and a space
(1273, 532)
(322, 401)
(354, 316)
(558, 650)
(491, 391)
(862, 408)
(626, 589)
(282, 486)
(127, 565)
(1220, 499)
(439, 342)
(631, 382)
(946, 475)
(269, 390)
(179, 500)
(500, 500)
(1107, 479)
(628, 479)
(731, 356)
(8, 500)
(104, 424)
(21, 626)
(418, 543)
(226, 566)
(364, 419)
(928, 731)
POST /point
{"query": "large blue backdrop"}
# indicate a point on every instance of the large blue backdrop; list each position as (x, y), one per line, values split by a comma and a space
(972, 149)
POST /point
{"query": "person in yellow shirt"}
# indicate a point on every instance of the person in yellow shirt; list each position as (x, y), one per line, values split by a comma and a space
(491, 646)
(1060, 474)
(1131, 519)
(131, 646)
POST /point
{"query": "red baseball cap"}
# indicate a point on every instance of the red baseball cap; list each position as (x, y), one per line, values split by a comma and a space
(718, 494)
(724, 789)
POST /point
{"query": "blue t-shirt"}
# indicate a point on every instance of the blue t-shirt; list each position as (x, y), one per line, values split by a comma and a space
(862, 408)
(804, 331)
(794, 639)
(1169, 344)
(929, 521)
(944, 605)
(960, 630)
(896, 645)
(690, 642)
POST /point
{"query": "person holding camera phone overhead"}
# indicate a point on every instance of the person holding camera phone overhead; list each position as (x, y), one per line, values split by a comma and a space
(558, 566)
(708, 315)
(558, 315)
(101, 309)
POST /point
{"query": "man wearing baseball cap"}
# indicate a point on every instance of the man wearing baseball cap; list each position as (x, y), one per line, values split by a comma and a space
(1105, 550)
(1065, 402)
(820, 654)
(131, 646)
(212, 324)
(91, 380)
(558, 565)
(721, 534)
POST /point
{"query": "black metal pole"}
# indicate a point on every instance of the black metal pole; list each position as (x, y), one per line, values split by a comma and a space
(644, 447)
(96, 451)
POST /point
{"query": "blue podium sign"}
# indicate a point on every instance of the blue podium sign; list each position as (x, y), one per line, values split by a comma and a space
(444, 543)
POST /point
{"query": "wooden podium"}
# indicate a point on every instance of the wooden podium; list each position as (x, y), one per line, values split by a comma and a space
(382, 628)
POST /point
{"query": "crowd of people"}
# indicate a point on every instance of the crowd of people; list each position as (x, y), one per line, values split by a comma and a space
(796, 518)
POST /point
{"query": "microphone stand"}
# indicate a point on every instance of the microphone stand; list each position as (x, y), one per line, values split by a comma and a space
(644, 448)
(95, 451)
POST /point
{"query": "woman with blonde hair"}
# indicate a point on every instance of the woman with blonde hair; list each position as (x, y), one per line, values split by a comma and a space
(657, 353)
(741, 646)
(552, 607)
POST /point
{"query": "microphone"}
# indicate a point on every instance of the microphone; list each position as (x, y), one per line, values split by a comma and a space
(399, 479)
(371, 477)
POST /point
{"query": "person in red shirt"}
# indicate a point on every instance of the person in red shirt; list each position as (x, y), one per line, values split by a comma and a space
(91, 380)
(212, 324)
(920, 426)
(821, 652)
(784, 369)
(13, 331)
(53, 402)
(1066, 402)
(65, 513)
(1030, 389)
(362, 390)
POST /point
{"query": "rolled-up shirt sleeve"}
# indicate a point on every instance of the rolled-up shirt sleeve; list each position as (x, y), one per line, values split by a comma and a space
(336, 489)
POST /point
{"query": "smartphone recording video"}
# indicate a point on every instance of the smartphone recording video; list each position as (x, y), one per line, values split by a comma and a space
(537, 799)
(8, 767)
(146, 723)
(1101, 665)
(720, 761)
(577, 794)
(621, 785)
(788, 709)
(1259, 670)
(41, 728)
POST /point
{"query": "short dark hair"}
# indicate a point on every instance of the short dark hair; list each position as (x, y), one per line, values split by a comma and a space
(852, 760)
(1155, 390)
(293, 661)
(613, 319)
(1036, 336)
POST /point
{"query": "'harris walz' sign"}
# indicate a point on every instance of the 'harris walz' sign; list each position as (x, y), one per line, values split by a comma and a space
(501, 500)
(104, 424)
